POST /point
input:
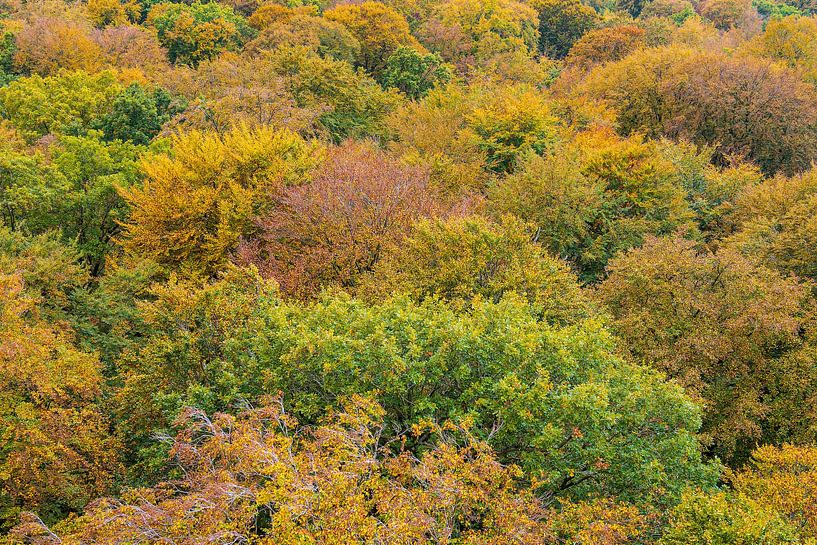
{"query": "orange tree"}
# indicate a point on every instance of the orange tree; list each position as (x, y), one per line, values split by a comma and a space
(56, 451)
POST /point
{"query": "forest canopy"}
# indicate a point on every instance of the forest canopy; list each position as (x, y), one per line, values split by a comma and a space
(469, 272)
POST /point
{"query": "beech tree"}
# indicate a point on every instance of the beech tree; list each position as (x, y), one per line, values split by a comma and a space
(466, 258)
(720, 325)
(198, 31)
(334, 229)
(595, 197)
(771, 502)
(69, 103)
(198, 201)
(561, 24)
(743, 106)
(474, 35)
(57, 454)
(337, 481)
(47, 45)
(604, 45)
(379, 29)
(553, 399)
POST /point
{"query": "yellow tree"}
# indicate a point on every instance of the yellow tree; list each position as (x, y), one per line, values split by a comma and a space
(379, 29)
(463, 258)
(473, 33)
(201, 198)
(791, 41)
(773, 501)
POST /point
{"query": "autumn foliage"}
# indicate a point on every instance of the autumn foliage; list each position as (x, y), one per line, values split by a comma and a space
(449, 272)
(334, 229)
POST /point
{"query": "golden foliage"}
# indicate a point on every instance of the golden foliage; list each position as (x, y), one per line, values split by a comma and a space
(200, 199)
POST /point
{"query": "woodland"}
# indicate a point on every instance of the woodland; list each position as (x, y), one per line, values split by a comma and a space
(408, 272)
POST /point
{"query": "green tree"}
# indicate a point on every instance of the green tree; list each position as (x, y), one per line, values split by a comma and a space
(89, 209)
(8, 46)
(347, 102)
(73, 192)
(555, 400)
(137, 115)
(69, 103)
(413, 73)
(561, 24)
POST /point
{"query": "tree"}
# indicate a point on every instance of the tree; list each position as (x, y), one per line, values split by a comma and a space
(771, 223)
(768, 9)
(334, 482)
(133, 48)
(632, 7)
(595, 197)
(334, 229)
(73, 192)
(771, 502)
(136, 115)
(199, 200)
(8, 46)
(783, 479)
(47, 45)
(466, 258)
(89, 208)
(720, 519)
(270, 13)
(561, 24)
(26, 191)
(329, 39)
(290, 87)
(474, 35)
(198, 31)
(57, 454)
(726, 14)
(69, 103)
(553, 399)
(50, 271)
(792, 247)
(604, 45)
(712, 192)
(349, 104)
(434, 133)
(744, 107)
(380, 30)
(114, 12)
(677, 10)
(413, 73)
(791, 40)
(717, 323)
(512, 123)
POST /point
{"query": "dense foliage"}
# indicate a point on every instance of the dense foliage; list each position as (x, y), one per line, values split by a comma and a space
(475, 272)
